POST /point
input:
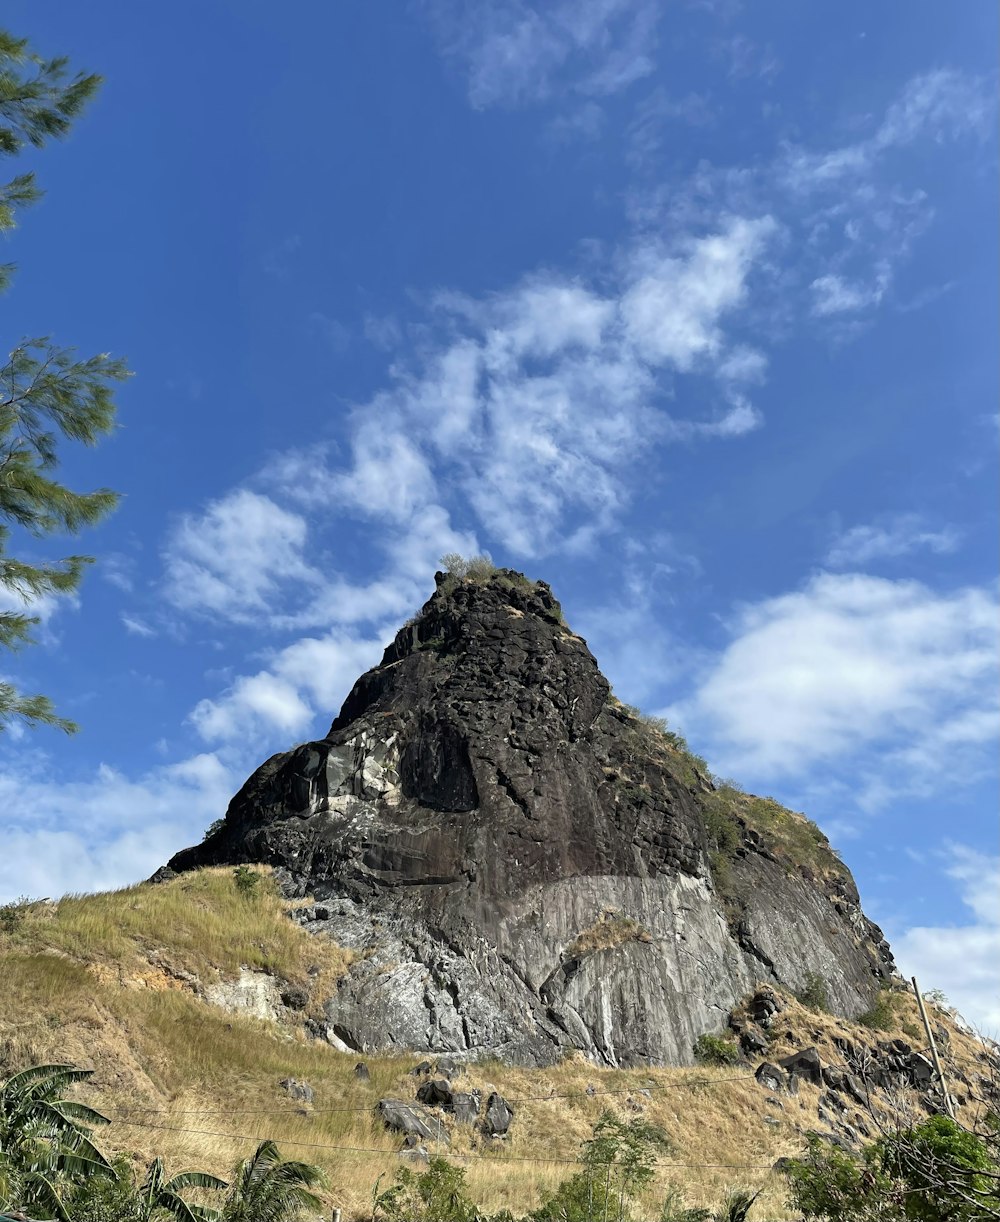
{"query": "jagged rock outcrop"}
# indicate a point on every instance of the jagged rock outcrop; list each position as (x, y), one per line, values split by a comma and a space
(522, 864)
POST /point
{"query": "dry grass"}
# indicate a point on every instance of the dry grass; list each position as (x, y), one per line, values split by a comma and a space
(610, 929)
(200, 1086)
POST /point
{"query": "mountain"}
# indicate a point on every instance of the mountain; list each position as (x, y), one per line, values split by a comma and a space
(522, 866)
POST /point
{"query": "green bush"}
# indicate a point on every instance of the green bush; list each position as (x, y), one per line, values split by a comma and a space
(715, 1050)
(882, 1015)
(437, 1195)
(12, 914)
(933, 1171)
(814, 993)
(247, 881)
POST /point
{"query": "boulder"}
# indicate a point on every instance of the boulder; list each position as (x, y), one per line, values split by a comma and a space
(752, 1042)
(295, 997)
(497, 1117)
(465, 1106)
(411, 1121)
(770, 1077)
(436, 1092)
(362, 1072)
(424, 1067)
(804, 1064)
(298, 1090)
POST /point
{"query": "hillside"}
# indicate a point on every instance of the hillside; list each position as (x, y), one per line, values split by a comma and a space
(157, 986)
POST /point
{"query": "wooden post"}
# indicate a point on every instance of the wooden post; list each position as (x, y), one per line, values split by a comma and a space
(933, 1046)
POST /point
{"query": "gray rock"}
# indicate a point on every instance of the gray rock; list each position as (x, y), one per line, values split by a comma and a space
(834, 1077)
(412, 1121)
(752, 1042)
(435, 1093)
(362, 1072)
(298, 1090)
(478, 808)
(497, 1117)
(770, 1077)
(465, 1106)
(424, 1067)
(295, 996)
(412, 1151)
(804, 1064)
(450, 1068)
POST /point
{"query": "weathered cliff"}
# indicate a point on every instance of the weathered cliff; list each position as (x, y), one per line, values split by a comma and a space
(528, 867)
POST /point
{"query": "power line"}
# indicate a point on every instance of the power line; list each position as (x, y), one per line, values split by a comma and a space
(518, 1099)
(506, 1158)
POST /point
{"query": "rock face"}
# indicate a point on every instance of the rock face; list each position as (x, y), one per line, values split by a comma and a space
(523, 862)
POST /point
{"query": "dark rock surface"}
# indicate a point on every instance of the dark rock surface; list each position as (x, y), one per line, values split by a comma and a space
(521, 863)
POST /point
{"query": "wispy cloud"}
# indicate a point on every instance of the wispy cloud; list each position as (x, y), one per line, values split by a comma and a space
(888, 540)
(515, 52)
(852, 212)
(237, 557)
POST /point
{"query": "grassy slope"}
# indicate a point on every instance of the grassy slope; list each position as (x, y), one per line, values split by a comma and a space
(100, 981)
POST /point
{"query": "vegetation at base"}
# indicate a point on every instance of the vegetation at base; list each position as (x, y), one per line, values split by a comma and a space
(814, 993)
(202, 917)
(715, 1050)
(931, 1172)
(49, 395)
(247, 881)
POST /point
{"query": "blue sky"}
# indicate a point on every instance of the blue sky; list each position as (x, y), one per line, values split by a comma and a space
(689, 309)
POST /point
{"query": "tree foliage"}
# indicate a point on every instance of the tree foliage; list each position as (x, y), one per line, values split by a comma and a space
(45, 1140)
(48, 395)
(933, 1172)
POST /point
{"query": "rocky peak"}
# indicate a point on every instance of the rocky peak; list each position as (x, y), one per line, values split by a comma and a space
(526, 864)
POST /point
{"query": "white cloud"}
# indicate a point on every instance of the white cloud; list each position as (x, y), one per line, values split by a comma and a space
(853, 667)
(136, 626)
(674, 306)
(104, 831)
(962, 959)
(516, 52)
(832, 294)
(237, 558)
(308, 678)
(941, 104)
(538, 401)
(899, 536)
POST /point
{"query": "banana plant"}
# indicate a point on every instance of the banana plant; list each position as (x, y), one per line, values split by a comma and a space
(266, 1188)
(157, 1192)
(45, 1139)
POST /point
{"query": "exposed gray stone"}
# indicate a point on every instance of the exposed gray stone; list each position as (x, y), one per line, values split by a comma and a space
(435, 1093)
(410, 1120)
(298, 1090)
(465, 1106)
